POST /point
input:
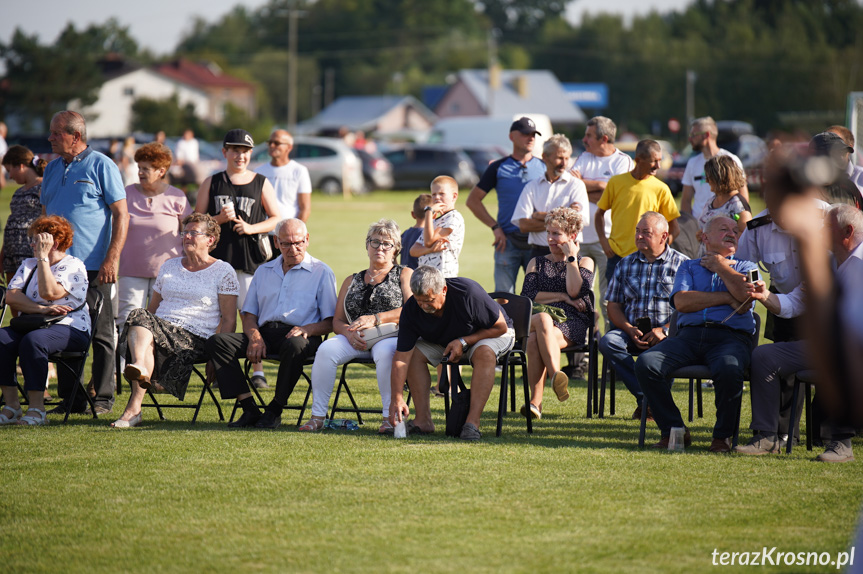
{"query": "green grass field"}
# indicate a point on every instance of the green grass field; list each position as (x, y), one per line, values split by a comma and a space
(576, 495)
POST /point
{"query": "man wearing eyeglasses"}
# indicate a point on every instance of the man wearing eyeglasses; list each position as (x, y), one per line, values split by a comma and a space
(696, 190)
(290, 179)
(288, 309)
(508, 176)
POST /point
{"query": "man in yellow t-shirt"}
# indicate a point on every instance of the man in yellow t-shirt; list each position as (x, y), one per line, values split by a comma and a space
(629, 196)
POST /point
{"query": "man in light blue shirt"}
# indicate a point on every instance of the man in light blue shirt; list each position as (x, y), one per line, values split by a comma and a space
(715, 325)
(289, 307)
(86, 188)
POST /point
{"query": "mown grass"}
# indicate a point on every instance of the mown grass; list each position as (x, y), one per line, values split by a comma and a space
(576, 495)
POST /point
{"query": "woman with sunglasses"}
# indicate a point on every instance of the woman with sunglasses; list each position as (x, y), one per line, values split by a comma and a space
(194, 297)
(366, 299)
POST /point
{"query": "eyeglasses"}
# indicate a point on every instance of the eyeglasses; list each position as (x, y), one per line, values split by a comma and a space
(385, 245)
(288, 245)
(274, 142)
(192, 233)
(523, 168)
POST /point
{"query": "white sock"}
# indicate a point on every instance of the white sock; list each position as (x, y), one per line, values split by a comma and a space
(258, 374)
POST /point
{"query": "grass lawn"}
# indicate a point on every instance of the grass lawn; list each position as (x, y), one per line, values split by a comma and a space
(576, 495)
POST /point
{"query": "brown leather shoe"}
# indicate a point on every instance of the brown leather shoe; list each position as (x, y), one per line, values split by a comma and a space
(720, 445)
(663, 442)
(636, 415)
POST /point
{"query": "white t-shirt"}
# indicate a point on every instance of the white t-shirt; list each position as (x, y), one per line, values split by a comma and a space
(288, 180)
(188, 151)
(190, 299)
(71, 274)
(694, 175)
(597, 168)
(447, 260)
(541, 195)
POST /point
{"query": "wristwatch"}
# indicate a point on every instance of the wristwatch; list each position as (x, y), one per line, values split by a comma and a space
(427, 208)
(463, 344)
(570, 259)
(495, 227)
(45, 259)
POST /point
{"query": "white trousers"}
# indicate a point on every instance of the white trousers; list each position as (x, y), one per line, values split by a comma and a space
(132, 293)
(337, 351)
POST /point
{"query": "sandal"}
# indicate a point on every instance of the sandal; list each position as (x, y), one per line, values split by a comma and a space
(132, 422)
(531, 410)
(7, 420)
(386, 427)
(37, 420)
(134, 373)
(313, 425)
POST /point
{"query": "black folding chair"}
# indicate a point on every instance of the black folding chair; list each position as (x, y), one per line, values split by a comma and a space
(808, 379)
(151, 394)
(247, 368)
(591, 347)
(75, 361)
(695, 374)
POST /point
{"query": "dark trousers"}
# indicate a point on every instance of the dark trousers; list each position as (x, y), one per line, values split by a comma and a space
(725, 352)
(771, 394)
(227, 348)
(610, 265)
(539, 251)
(33, 349)
(102, 371)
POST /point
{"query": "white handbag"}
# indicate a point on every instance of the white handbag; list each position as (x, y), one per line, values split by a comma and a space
(374, 334)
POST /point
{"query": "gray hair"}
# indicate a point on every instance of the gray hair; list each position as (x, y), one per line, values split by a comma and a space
(846, 215)
(706, 124)
(709, 223)
(427, 278)
(645, 148)
(555, 143)
(299, 223)
(604, 127)
(657, 220)
(389, 229)
(72, 123)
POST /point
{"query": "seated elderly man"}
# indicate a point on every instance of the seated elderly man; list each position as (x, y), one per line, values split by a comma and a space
(715, 324)
(447, 318)
(289, 307)
(639, 300)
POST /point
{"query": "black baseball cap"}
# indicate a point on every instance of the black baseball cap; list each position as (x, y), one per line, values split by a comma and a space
(524, 125)
(827, 142)
(238, 137)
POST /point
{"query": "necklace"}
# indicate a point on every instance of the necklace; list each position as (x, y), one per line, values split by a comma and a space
(376, 275)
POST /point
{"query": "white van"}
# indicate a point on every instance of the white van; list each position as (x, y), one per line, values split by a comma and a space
(486, 131)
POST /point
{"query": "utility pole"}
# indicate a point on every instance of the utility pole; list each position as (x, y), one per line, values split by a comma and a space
(691, 77)
(293, 16)
(493, 70)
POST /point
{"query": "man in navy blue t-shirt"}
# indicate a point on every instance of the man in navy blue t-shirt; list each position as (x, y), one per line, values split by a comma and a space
(447, 318)
(508, 176)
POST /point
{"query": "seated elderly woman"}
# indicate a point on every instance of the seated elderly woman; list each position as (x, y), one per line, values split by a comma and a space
(367, 299)
(51, 283)
(194, 297)
(559, 284)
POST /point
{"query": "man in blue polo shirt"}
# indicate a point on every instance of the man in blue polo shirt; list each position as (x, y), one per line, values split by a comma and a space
(86, 188)
(715, 324)
(508, 176)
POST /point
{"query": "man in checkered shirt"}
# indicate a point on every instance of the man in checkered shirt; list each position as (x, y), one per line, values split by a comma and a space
(640, 288)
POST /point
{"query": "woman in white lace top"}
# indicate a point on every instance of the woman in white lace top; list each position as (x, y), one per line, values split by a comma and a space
(194, 297)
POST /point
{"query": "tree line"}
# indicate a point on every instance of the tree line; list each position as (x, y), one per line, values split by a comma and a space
(779, 64)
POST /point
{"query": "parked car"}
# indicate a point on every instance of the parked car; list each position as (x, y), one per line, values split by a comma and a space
(377, 170)
(481, 156)
(415, 166)
(331, 163)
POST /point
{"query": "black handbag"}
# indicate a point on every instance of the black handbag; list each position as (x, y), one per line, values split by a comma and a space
(458, 410)
(26, 322)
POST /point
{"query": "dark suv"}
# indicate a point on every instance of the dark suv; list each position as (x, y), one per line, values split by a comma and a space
(415, 166)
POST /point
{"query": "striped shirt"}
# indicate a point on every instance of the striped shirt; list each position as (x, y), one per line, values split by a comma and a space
(643, 288)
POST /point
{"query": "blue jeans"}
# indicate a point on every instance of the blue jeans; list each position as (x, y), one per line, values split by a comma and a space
(610, 265)
(33, 349)
(725, 352)
(506, 266)
(617, 347)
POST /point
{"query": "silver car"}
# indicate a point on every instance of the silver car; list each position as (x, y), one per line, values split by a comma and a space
(329, 160)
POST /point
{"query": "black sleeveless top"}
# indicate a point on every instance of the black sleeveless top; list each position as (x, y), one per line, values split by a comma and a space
(240, 251)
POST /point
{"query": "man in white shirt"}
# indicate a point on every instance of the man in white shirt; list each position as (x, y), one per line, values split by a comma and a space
(188, 156)
(290, 179)
(696, 190)
(556, 188)
(599, 162)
